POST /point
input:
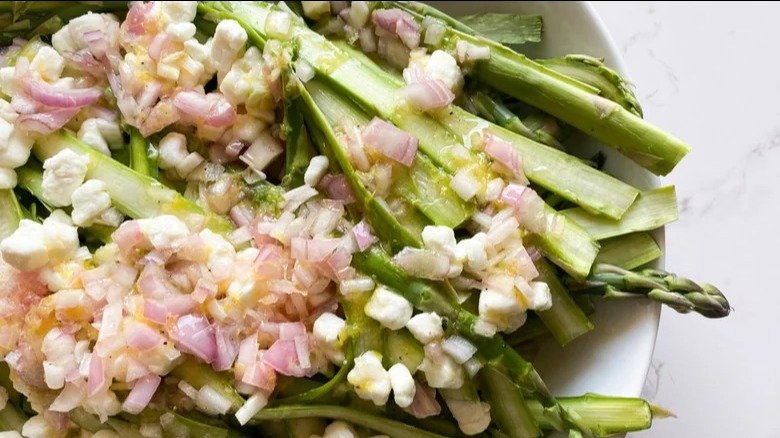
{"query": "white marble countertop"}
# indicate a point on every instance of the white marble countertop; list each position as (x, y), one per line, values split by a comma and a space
(709, 73)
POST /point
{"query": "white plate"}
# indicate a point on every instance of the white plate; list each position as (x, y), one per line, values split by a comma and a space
(614, 358)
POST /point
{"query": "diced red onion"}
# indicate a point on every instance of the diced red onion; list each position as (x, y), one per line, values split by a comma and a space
(367, 40)
(46, 122)
(424, 403)
(85, 62)
(241, 215)
(302, 351)
(195, 335)
(96, 381)
(339, 260)
(70, 398)
(162, 115)
(24, 105)
(525, 265)
(400, 23)
(221, 112)
(155, 311)
(283, 357)
(297, 196)
(135, 22)
(128, 236)
(363, 236)
(530, 211)
(313, 250)
(291, 330)
(212, 401)
(56, 97)
(204, 289)
(501, 230)
(423, 263)
(429, 95)
(142, 337)
(247, 354)
(503, 152)
(240, 235)
(512, 193)
(158, 44)
(227, 349)
(260, 375)
(253, 405)
(149, 95)
(192, 103)
(179, 304)
(390, 141)
(337, 187)
(141, 394)
(262, 151)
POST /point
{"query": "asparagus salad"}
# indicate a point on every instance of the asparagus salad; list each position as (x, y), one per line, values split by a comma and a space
(336, 219)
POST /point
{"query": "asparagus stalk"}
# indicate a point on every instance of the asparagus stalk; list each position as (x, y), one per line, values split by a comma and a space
(374, 422)
(353, 74)
(507, 405)
(565, 320)
(300, 150)
(505, 28)
(132, 193)
(495, 111)
(629, 251)
(603, 415)
(531, 82)
(653, 209)
(139, 153)
(679, 293)
(10, 213)
(592, 71)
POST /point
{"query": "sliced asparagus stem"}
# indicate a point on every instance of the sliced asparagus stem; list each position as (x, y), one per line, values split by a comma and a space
(134, 194)
(199, 375)
(593, 72)
(679, 293)
(652, 209)
(531, 82)
(493, 110)
(139, 153)
(603, 415)
(10, 213)
(565, 320)
(507, 405)
(629, 251)
(507, 29)
(374, 422)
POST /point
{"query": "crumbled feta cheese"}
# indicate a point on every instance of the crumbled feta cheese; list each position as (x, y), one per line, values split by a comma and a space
(328, 334)
(389, 308)
(403, 385)
(62, 175)
(37, 427)
(473, 416)
(89, 133)
(278, 25)
(53, 375)
(164, 231)
(247, 128)
(7, 178)
(198, 51)
(221, 254)
(538, 295)
(229, 39)
(442, 66)
(501, 309)
(441, 371)
(370, 379)
(60, 236)
(474, 252)
(440, 239)
(15, 152)
(426, 327)
(338, 429)
(465, 185)
(25, 249)
(191, 72)
(244, 82)
(173, 150)
(89, 201)
(179, 11)
(48, 64)
(62, 41)
(181, 31)
(315, 10)
(318, 166)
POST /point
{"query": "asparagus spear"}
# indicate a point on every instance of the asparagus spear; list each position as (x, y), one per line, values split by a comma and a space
(603, 415)
(506, 28)
(592, 71)
(132, 193)
(507, 405)
(518, 76)
(565, 320)
(679, 293)
(139, 153)
(353, 74)
(495, 111)
(629, 251)
(653, 209)
(10, 213)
